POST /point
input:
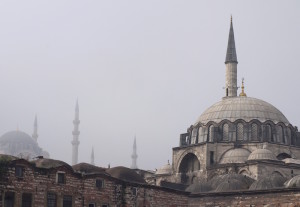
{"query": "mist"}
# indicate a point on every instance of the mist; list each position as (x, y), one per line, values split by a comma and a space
(138, 68)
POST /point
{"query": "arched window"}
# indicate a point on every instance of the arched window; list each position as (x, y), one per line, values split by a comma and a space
(200, 135)
(225, 132)
(194, 136)
(289, 135)
(211, 133)
(268, 133)
(254, 132)
(280, 135)
(240, 131)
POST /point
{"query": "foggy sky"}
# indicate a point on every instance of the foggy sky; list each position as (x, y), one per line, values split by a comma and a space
(144, 68)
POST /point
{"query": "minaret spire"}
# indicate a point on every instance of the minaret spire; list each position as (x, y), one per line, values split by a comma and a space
(75, 142)
(35, 128)
(231, 65)
(92, 157)
(134, 155)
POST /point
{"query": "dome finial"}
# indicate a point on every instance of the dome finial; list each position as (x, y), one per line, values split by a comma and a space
(243, 87)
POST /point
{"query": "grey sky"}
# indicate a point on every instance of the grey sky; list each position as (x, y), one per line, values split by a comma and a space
(148, 68)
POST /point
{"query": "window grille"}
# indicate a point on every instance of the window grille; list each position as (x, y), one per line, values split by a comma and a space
(67, 201)
(225, 132)
(254, 132)
(51, 200)
(26, 200)
(99, 183)
(211, 133)
(19, 171)
(61, 178)
(240, 131)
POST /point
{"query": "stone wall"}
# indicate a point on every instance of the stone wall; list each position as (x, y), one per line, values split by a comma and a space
(266, 198)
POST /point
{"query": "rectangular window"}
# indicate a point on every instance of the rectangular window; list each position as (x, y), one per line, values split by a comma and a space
(105, 205)
(134, 191)
(67, 201)
(9, 199)
(26, 200)
(19, 171)
(211, 157)
(99, 183)
(61, 178)
(91, 205)
(51, 200)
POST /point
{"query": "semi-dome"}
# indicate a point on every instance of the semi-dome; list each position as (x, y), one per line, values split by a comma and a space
(18, 143)
(164, 170)
(245, 108)
(262, 154)
(237, 155)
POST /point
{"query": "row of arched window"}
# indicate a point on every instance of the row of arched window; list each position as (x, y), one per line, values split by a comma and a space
(253, 132)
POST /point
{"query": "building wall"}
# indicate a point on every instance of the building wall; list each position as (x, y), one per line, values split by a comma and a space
(278, 198)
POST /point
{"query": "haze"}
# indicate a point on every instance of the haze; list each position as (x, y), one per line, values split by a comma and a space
(144, 68)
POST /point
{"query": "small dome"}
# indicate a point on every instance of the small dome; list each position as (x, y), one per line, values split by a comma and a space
(199, 187)
(126, 174)
(229, 178)
(231, 185)
(49, 163)
(245, 108)
(87, 168)
(237, 155)
(262, 154)
(291, 160)
(164, 170)
(269, 182)
(294, 182)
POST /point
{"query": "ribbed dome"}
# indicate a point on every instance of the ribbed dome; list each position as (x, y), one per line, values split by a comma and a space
(268, 182)
(230, 178)
(238, 155)
(262, 154)
(199, 187)
(245, 108)
(294, 182)
(165, 170)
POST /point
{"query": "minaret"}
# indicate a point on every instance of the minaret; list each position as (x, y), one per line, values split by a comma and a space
(134, 156)
(92, 157)
(35, 128)
(75, 133)
(231, 65)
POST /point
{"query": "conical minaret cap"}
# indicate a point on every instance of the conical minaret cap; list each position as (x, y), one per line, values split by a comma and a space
(231, 51)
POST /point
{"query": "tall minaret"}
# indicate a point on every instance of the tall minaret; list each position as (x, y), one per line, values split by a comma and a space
(231, 65)
(75, 133)
(92, 157)
(134, 156)
(35, 128)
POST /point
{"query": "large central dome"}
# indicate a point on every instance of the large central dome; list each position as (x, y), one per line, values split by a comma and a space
(245, 108)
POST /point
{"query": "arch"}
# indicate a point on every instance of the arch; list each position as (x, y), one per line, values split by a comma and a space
(240, 132)
(194, 136)
(225, 130)
(211, 133)
(189, 163)
(254, 132)
(280, 134)
(283, 156)
(200, 135)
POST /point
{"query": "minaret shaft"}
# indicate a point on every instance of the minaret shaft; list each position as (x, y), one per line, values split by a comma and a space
(134, 156)
(35, 129)
(231, 65)
(75, 142)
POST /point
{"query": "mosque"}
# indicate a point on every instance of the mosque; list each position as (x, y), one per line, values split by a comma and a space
(19, 144)
(237, 143)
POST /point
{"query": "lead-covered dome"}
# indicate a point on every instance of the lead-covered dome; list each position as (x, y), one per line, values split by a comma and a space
(262, 154)
(245, 108)
(238, 155)
(20, 144)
